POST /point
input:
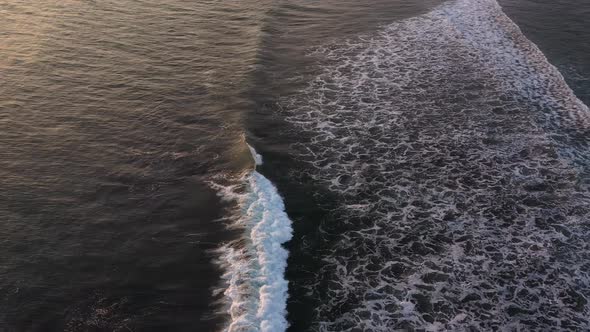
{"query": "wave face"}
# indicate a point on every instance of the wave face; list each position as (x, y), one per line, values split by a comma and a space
(459, 157)
(256, 290)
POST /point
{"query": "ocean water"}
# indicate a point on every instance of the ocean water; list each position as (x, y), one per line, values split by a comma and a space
(305, 166)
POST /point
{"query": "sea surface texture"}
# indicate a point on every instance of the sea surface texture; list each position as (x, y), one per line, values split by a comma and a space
(459, 159)
(335, 165)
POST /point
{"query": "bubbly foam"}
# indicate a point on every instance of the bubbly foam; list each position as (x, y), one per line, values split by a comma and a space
(255, 156)
(460, 159)
(255, 264)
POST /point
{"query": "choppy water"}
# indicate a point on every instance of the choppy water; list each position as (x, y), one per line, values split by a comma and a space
(430, 166)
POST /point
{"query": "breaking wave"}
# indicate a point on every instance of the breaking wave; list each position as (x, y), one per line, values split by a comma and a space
(254, 265)
(459, 157)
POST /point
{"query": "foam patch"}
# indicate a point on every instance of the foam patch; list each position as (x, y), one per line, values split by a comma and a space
(460, 159)
(256, 290)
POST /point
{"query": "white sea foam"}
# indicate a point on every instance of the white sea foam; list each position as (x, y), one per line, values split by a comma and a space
(459, 157)
(256, 289)
(255, 155)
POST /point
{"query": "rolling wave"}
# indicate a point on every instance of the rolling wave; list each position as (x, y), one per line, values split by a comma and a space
(256, 290)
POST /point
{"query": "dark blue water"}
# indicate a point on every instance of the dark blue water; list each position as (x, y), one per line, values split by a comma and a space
(423, 163)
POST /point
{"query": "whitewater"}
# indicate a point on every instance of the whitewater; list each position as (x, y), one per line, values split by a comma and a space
(256, 289)
(459, 159)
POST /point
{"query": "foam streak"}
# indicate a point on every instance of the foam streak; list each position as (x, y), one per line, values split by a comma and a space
(255, 265)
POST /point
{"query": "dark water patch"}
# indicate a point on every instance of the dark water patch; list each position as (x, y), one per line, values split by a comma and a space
(561, 29)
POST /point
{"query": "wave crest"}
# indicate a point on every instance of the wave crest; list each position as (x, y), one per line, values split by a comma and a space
(255, 264)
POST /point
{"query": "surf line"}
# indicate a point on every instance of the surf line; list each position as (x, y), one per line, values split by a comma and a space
(256, 289)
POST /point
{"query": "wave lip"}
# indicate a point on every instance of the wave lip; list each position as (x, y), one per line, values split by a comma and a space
(255, 264)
